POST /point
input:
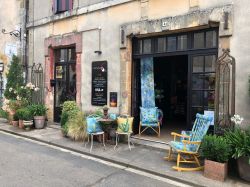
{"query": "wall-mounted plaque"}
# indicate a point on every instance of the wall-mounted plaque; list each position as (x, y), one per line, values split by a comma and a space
(113, 99)
(99, 83)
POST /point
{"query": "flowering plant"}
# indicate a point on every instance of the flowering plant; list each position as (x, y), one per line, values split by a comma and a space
(237, 119)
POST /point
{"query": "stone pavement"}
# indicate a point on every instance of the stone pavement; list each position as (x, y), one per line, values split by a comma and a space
(141, 157)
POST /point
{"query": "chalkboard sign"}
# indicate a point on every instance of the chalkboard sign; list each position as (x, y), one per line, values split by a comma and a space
(99, 83)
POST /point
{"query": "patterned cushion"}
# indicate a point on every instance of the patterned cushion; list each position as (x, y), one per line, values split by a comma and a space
(92, 125)
(180, 146)
(146, 124)
(186, 133)
(149, 115)
(113, 116)
(125, 124)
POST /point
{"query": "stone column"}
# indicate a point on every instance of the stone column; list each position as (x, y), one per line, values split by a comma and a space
(78, 79)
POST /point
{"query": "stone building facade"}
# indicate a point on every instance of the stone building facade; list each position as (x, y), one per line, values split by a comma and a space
(105, 30)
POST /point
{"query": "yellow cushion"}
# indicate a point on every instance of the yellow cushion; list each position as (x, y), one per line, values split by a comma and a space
(125, 124)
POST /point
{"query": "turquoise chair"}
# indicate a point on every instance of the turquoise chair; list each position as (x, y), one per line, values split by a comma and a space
(150, 118)
(188, 145)
(94, 129)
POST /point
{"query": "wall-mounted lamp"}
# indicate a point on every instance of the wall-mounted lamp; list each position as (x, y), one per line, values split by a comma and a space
(1, 67)
(15, 33)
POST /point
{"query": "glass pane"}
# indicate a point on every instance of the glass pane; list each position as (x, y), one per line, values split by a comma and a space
(138, 47)
(171, 43)
(211, 39)
(198, 64)
(209, 82)
(182, 42)
(72, 82)
(61, 91)
(210, 63)
(196, 110)
(147, 46)
(161, 44)
(63, 55)
(199, 40)
(72, 55)
(197, 81)
(209, 98)
(197, 98)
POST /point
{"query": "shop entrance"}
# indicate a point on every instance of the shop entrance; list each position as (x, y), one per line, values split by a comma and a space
(171, 80)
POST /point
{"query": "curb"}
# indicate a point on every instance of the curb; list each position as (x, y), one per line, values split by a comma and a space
(105, 159)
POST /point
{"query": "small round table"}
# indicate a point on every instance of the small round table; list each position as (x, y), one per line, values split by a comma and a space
(106, 124)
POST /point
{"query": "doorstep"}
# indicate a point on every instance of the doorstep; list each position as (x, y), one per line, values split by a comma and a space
(142, 158)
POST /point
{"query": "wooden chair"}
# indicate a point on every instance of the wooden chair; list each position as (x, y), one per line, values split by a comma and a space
(150, 119)
(188, 146)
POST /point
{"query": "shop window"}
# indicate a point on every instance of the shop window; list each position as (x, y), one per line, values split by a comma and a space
(62, 5)
(199, 40)
(210, 63)
(147, 47)
(198, 64)
(211, 39)
(161, 44)
(182, 42)
(137, 47)
(171, 43)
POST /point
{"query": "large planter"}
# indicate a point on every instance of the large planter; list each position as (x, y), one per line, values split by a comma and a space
(39, 122)
(15, 123)
(21, 126)
(27, 124)
(244, 168)
(215, 170)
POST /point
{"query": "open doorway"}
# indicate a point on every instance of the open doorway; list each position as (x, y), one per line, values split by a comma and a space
(171, 82)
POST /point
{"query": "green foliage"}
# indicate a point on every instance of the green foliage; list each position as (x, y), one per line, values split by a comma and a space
(77, 127)
(24, 114)
(97, 112)
(14, 105)
(38, 110)
(70, 111)
(3, 114)
(14, 78)
(239, 140)
(15, 117)
(215, 148)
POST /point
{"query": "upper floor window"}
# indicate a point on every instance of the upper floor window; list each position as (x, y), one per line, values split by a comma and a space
(62, 5)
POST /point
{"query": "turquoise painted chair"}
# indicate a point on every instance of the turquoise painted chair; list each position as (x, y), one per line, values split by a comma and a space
(94, 129)
(150, 119)
(188, 145)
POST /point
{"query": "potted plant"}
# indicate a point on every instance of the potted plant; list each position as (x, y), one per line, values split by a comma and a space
(15, 120)
(19, 114)
(216, 152)
(39, 112)
(27, 118)
(239, 140)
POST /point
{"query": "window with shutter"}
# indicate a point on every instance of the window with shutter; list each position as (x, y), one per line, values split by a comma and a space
(62, 6)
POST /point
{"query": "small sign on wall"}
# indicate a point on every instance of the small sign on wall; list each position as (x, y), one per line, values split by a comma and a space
(113, 99)
(99, 83)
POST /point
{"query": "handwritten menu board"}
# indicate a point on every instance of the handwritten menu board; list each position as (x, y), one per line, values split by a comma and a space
(99, 83)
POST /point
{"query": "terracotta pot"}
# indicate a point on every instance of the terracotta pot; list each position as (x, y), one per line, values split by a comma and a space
(15, 123)
(244, 168)
(10, 117)
(215, 170)
(39, 122)
(21, 126)
(27, 124)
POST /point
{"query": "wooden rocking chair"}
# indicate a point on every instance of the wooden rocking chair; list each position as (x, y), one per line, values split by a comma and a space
(188, 146)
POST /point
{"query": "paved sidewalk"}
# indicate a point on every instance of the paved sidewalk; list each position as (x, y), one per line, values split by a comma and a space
(141, 157)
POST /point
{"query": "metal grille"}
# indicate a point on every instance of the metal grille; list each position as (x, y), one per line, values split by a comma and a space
(225, 91)
(38, 80)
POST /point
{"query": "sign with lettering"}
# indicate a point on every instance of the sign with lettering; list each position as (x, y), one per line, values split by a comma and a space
(99, 83)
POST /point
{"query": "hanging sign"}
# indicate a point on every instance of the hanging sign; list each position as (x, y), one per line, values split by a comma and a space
(99, 83)
(113, 99)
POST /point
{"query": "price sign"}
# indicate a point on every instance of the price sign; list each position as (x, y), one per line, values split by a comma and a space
(99, 83)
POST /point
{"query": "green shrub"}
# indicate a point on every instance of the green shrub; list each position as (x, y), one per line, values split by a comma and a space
(215, 148)
(14, 78)
(239, 140)
(3, 114)
(38, 109)
(15, 117)
(24, 114)
(69, 105)
(77, 127)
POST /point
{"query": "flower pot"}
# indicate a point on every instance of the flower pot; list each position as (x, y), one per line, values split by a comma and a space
(39, 122)
(215, 170)
(10, 117)
(27, 124)
(15, 123)
(244, 168)
(21, 126)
